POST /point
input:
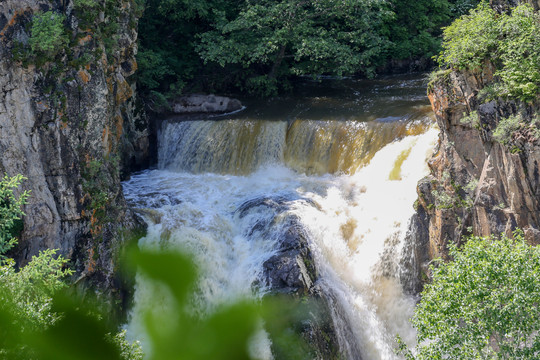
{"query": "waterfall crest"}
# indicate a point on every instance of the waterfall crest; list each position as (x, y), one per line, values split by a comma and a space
(310, 146)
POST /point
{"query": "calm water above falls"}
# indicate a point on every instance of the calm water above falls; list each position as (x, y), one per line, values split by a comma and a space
(344, 157)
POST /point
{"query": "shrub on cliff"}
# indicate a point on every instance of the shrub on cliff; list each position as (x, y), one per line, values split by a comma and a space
(48, 36)
(10, 212)
(506, 128)
(485, 304)
(510, 42)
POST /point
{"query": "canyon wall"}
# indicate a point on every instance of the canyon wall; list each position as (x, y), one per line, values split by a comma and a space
(69, 122)
(480, 183)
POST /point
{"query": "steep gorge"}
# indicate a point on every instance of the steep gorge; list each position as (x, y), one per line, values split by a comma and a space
(69, 124)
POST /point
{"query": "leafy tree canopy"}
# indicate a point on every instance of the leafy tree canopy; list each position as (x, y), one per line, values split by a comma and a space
(300, 37)
(255, 46)
(511, 42)
(485, 304)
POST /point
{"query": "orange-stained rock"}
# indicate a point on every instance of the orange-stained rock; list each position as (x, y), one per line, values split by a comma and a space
(84, 76)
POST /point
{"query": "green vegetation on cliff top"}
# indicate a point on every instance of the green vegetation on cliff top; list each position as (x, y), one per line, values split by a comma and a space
(510, 42)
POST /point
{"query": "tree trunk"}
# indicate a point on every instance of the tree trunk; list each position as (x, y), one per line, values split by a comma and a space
(277, 62)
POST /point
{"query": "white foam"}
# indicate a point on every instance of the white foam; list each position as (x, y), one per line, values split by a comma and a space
(356, 230)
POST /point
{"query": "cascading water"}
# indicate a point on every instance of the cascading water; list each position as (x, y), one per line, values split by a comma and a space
(225, 191)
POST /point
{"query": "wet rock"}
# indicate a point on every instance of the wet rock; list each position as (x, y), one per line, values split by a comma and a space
(292, 273)
(291, 270)
(205, 104)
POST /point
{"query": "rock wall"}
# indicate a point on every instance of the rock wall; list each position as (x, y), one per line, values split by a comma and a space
(478, 184)
(69, 123)
(506, 5)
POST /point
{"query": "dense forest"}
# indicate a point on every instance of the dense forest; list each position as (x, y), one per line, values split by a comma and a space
(479, 284)
(258, 47)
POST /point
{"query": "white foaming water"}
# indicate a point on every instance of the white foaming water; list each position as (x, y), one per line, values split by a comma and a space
(355, 224)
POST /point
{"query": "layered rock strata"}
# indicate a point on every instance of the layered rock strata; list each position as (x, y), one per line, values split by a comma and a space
(69, 123)
(479, 184)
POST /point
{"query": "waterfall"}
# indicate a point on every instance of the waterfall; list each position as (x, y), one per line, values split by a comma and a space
(241, 147)
(226, 191)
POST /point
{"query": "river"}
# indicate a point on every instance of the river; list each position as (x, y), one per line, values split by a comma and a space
(344, 157)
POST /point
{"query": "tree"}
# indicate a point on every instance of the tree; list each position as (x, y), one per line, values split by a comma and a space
(281, 38)
(415, 27)
(168, 38)
(511, 42)
(485, 304)
(257, 46)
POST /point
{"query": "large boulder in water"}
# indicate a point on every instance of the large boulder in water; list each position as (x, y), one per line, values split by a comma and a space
(291, 273)
(291, 270)
(191, 104)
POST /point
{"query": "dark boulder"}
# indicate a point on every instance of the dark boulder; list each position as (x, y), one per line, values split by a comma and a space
(291, 273)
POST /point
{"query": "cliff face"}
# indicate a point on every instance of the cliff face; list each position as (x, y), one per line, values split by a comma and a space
(68, 124)
(479, 184)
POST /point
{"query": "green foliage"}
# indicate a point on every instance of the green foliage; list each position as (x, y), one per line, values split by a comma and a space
(30, 290)
(471, 119)
(153, 69)
(520, 53)
(176, 334)
(471, 39)
(455, 195)
(96, 181)
(168, 36)
(510, 42)
(415, 28)
(506, 128)
(10, 212)
(85, 4)
(437, 76)
(48, 34)
(300, 38)
(38, 320)
(128, 350)
(482, 305)
(80, 329)
(105, 28)
(258, 46)
(462, 7)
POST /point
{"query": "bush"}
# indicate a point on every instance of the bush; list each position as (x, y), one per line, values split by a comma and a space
(10, 212)
(510, 42)
(48, 36)
(520, 53)
(470, 39)
(471, 119)
(31, 289)
(485, 304)
(506, 128)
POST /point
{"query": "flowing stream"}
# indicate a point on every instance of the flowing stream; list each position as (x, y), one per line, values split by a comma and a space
(342, 157)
